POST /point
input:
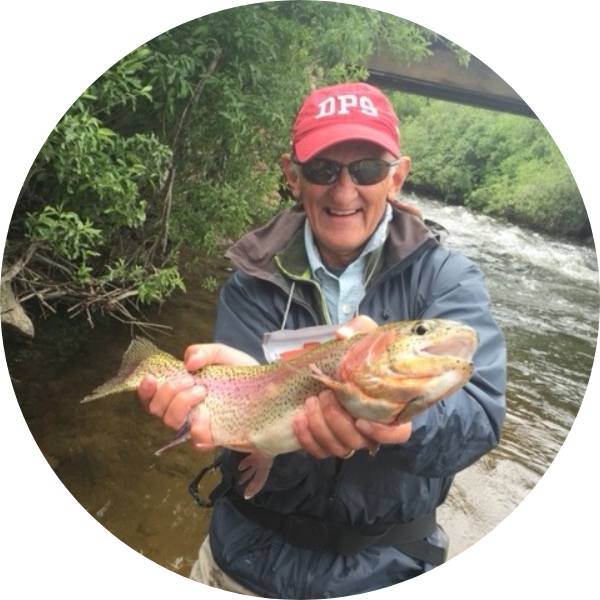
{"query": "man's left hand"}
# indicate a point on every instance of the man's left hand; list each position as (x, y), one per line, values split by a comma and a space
(326, 429)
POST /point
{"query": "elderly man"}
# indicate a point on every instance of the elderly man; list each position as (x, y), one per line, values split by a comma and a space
(332, 520)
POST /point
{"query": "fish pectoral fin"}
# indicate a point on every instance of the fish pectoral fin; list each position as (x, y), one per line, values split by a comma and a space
(333, 384)
(255, 470)
(373, 448)
(181, 436)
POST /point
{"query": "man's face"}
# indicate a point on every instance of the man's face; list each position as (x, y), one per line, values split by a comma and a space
(344, 215)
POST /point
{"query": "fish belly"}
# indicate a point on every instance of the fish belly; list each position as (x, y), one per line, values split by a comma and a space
(273, 435)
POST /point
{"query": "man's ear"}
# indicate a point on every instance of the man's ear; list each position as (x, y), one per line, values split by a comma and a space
(399, 177)
(291, 174)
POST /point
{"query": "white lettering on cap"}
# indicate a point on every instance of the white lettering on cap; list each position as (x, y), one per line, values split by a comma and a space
(342, 105)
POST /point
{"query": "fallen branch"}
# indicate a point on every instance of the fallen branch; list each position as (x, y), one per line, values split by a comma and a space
(12, 271)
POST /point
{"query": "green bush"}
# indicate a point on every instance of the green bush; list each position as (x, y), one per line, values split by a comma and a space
(503, 165)
(539, 194)
(178, 144)
(451, 146)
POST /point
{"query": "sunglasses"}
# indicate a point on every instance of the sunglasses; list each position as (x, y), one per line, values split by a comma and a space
(366, 171)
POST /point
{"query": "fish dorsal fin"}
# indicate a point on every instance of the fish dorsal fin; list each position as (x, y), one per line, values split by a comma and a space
(139, 349)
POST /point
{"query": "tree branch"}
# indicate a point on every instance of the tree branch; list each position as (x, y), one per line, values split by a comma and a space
(12, 271)
(163, 238)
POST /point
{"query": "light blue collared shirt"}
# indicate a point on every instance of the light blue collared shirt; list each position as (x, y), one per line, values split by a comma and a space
(343, 293)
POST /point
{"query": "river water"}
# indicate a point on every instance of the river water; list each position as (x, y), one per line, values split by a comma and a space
(545, 297)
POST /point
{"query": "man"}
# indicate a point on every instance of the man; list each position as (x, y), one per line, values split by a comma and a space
(332, 520)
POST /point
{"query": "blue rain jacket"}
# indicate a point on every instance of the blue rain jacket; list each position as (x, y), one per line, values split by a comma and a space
(416, 277)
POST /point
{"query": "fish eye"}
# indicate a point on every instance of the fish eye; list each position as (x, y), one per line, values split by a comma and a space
(420, 328)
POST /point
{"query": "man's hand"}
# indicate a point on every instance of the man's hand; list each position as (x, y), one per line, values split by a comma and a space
(172, 400)
(326, 429)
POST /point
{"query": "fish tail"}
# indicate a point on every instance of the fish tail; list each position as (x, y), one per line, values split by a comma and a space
(126, 380)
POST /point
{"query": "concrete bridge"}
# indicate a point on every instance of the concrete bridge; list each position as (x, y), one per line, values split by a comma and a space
(441, 76)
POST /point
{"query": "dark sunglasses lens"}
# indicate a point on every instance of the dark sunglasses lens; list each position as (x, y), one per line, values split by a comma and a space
(321, 171)
(368, 171)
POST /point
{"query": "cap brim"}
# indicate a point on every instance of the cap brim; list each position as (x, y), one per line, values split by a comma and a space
(317, 141)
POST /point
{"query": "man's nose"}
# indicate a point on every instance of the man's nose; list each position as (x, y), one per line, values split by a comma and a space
(344, 186)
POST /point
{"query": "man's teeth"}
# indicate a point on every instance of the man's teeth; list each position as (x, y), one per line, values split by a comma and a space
(342, 213)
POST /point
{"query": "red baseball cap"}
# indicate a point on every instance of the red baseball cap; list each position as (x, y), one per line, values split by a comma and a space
(341, 113)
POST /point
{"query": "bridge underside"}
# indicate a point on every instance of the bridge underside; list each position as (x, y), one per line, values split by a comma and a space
(441, 76)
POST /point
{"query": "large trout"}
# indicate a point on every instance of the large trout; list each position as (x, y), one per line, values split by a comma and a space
(388, 375)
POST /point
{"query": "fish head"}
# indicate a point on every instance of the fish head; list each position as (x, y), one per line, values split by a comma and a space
(397, 371)
(429, 348)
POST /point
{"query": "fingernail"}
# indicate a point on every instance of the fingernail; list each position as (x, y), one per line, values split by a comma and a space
(145, 385)
(198, 392)
(189, 380)
(311, 404)
(299, 425)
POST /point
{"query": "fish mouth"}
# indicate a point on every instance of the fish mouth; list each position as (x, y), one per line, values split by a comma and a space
(461, 346)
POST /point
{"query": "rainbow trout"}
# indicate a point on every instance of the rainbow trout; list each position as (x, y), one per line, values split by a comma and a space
(388, 375)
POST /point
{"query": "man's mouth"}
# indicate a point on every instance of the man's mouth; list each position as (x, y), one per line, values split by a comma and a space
(334, 212)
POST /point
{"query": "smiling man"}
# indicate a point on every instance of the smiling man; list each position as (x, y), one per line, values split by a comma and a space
(343, 213)
(345, 164)
(332, 520)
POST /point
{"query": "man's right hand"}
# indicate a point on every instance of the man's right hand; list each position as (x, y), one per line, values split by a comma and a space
(171, 401)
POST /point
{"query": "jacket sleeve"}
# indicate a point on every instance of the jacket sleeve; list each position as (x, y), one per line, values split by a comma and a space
(460, 429)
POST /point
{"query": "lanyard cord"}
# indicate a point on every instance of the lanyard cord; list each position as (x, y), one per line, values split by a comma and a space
(289, 304)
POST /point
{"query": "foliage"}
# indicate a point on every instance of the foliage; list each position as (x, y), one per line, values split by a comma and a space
(178, 144)
(503, 165)
(450, 146)
(87, 193)
(64, 232)
(539, 192)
